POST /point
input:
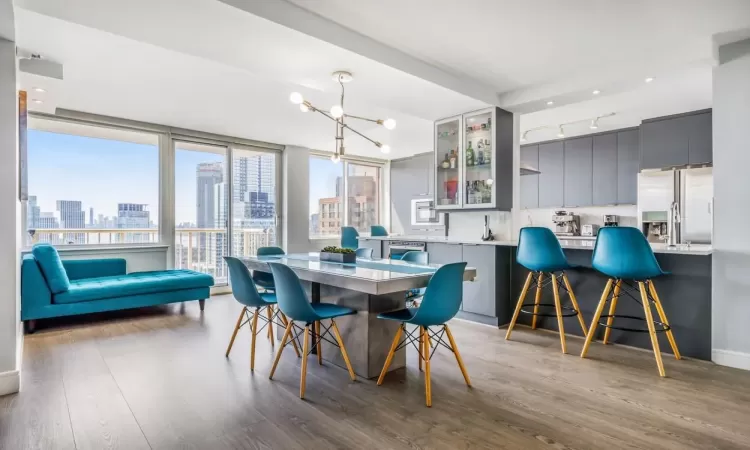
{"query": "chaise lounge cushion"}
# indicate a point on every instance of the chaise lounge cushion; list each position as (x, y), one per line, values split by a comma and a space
(137, 283)
(52, 268)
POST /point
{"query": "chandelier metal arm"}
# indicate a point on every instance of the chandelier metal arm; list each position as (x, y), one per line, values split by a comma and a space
(313, 108)
(377, 121)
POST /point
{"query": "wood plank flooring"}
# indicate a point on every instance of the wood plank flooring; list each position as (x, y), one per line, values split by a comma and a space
(158, 378)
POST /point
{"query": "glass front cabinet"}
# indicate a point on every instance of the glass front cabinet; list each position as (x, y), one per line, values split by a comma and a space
(474, 161)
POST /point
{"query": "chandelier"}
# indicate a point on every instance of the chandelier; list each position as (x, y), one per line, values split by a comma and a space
(336, 113)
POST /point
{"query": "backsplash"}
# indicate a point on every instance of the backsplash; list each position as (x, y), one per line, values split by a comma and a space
(470, 224)
(591, 215)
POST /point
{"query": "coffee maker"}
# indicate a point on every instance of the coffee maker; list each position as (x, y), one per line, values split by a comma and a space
(566, 224)
(610, 220)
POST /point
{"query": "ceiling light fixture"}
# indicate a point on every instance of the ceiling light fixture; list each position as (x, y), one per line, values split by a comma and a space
(337, 114)
(561, 132)
(594, 124)
(40, 90)
(550, 103)
(649, 79)
(596, 92)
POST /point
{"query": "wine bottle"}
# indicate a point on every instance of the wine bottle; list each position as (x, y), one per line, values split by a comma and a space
(469, 156)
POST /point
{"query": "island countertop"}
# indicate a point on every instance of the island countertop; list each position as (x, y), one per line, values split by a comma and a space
(575, 243)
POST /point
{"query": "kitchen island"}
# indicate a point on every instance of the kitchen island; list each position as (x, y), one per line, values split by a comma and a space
(685, 293)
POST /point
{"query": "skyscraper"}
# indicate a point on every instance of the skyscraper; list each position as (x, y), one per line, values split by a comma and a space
(91, 217)
(32, 213)
(207, 176)
(133, 215)
(71, 215)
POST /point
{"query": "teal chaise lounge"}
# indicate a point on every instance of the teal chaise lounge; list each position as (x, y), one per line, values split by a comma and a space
(51, 287)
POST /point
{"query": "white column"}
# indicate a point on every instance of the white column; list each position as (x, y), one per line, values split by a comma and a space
(10, 223)
(295, 216)
(731, 237)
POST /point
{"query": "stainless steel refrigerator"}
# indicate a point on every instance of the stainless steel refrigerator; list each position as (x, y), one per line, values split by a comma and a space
(692, 189)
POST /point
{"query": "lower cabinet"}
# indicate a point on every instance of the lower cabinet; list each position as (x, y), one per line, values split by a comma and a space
(375, 244)
(444, 253)
(480, 295)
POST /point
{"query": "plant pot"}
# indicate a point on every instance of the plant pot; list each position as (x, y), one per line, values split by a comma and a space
(338, 257)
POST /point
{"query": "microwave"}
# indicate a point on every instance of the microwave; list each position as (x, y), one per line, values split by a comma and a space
(423, 213)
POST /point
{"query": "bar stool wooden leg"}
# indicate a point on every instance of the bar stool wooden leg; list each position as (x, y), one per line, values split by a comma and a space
(558, 309)
(389, 358)
(305, 351)
(427, 382)
(574, 301)
(317, 343)
(253, 330)
(597, 316)
(663, 317)
(651, 328)
(287, 334)
(269, 314)
(612, 308)
(537, 299)
(519, 305)
(458, 355)
(236, 329)
(285, 322)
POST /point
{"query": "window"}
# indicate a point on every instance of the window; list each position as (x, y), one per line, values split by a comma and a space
(329, 182)
(91, 185)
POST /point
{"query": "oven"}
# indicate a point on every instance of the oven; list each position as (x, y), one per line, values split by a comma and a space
(397, 249)
(423, 213)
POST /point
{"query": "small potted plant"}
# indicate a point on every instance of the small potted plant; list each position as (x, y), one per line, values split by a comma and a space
(338, 254)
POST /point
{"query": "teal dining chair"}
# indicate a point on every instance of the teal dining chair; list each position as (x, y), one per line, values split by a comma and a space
(414, 296)
(441, 302)
(349, 238)
(540, 252)
(265, 279)
(378, 231)
(246, 293)
(293, 301)
(625, 256)
(364, 252)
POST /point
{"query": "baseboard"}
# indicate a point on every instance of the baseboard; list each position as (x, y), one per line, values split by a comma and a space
(10, 382)
(730, 358)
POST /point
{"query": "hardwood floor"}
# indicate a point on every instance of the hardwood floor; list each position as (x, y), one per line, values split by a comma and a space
(159, 379)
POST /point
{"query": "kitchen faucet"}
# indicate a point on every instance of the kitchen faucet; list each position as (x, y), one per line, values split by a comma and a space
(673, 224)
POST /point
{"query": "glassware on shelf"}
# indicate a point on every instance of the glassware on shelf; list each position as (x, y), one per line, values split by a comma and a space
(453, 159)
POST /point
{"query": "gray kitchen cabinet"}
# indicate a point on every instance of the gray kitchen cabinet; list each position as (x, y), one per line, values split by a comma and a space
(444, 253)
(604, 182)
(664, 143)
(480, 295)
(577, 178)
(628, 150)
(700, 140)
(530, 183)
(375, 244)
(551, 166)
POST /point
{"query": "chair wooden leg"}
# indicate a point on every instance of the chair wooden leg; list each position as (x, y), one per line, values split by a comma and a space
(421, 345)
(389, 358)
(558, 310)
(236, 329)
(287, 334)
(651, 328)
(254, 331)
(285, 322)
(574, 301)
(269, 314)
(597, 316)
(537, 299)
(458, 355)
(427, 381)
(663, 317)
(317, 343)
(305, 350)
(519, 305)
(343, 350)
(612, 309)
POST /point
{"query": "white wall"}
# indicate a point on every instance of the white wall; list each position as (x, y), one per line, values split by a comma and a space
(10, 225)
(542, 217)
(731, 238)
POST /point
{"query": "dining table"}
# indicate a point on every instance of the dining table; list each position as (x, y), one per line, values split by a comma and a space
(370, 287)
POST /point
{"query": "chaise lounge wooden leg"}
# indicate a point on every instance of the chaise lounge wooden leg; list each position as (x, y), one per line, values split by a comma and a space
(202, 303)
(30, 326)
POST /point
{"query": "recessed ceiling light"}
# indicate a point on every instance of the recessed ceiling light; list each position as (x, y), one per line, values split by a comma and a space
(38, 89)
(550, 103)
(37, 101)
(649, 79)
(596, 92)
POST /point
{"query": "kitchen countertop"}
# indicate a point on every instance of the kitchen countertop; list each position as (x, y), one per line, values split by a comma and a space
(570, 242)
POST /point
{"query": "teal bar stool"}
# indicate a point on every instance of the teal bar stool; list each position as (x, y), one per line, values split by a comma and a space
(540, 252)
(349, 238)
(378, 230)
(265, 279)
(246, 293)
(625, 256)
(294, 303)
(442, 299)
(364, 252)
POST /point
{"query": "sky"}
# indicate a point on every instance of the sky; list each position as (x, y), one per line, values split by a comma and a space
(323, 174)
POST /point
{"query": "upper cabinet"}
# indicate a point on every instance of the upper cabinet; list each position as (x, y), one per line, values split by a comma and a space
(605, 180)
(474, 161)
(551, 178)
(676, 141)
(578, 172)
(530, 183)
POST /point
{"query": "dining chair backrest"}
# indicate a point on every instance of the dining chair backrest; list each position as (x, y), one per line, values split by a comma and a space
(290, 294)
(416, 257)
(242, 284)
(364, 252)
(349, 238)
(378, 230)
(265, 279)
(270, 251)
(625, 253)
(443, 295)
(540, 251)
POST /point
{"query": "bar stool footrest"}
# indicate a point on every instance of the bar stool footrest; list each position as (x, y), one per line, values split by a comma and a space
(571, 312)
(659, 327)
